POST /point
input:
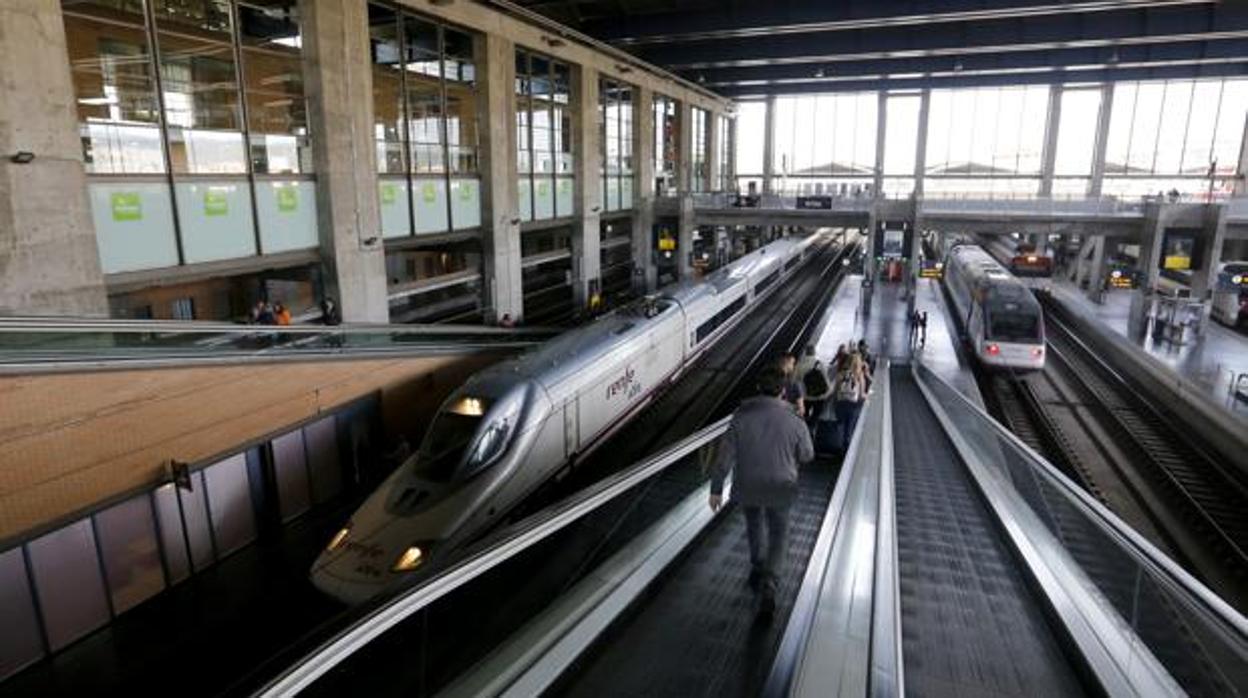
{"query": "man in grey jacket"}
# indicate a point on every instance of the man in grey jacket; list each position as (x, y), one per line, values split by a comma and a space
(764, 446)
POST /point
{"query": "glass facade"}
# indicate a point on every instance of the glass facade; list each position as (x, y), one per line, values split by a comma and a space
(425, 124)
(723, 154)
(699, 175)
(544, 106)
(1181, 136)
(615, 100)
(194, 129)
(666, 145)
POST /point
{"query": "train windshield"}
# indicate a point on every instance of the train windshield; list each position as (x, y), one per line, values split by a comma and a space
(449, 436)
(1012, 322)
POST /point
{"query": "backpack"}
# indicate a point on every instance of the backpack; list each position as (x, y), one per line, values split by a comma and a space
(815, 381)
(846, 387)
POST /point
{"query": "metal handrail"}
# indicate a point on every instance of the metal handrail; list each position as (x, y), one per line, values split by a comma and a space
(524, 535)
(1135, 542)
(37, 324)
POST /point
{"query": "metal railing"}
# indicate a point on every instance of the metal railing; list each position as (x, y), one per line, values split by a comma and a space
(34, 343)
(303, 672)
(1141, 621)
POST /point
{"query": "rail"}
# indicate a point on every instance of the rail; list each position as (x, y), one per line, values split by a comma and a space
(43, 343)
(1143, 624)
(507, 545)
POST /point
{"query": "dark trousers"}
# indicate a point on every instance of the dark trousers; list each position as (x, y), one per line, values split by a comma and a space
(846, 418)
(767, 561)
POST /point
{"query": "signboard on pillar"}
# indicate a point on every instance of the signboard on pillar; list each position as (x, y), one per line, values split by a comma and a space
(1181, 249)
(893, 239)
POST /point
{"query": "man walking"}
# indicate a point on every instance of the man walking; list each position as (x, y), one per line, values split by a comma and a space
(764, 446)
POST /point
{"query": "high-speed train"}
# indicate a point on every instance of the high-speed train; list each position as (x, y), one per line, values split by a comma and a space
(1002, 318)
(515, 425)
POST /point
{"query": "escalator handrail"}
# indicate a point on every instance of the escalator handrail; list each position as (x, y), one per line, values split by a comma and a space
(45, 324)
(1143, 550)
(311, 666)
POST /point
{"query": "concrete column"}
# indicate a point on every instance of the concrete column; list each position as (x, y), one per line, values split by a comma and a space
(684, 171)
(500, 219)
(49, 259)
(684, 237)
(920, 145)
(769, 146)
(1097, 268)
(644, 272)
(338, 75)
(1048, 159)
(712, 153)
(586, 236)
(1157, 217)
(1204, 278)
(881, 128)
(1102, 139)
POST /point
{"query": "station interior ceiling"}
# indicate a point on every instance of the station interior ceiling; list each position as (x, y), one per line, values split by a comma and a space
(746, 48)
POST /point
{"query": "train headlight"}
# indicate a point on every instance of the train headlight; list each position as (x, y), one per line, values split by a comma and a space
(409, 560)
(339, 539)
(992, 349)
(1037, 352)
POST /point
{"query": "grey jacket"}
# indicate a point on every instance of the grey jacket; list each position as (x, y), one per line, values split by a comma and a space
(765, 444)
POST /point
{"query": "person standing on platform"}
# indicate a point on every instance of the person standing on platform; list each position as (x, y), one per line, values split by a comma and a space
(794, 393)
(815, 382)
(764, 447)
(281, 314)
(506, 321)
(330, 314)
(922, 328)
(914, 327)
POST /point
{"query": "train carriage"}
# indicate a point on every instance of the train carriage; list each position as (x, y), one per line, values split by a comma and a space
(1002, 319)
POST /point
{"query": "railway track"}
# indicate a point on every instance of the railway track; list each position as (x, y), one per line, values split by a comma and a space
(1105, 435)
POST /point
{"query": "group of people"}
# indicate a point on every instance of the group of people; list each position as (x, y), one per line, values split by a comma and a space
(265, 313)
(772, 434)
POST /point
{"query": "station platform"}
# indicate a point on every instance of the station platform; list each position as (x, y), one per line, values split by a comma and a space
(1207, 366)
(887, 330)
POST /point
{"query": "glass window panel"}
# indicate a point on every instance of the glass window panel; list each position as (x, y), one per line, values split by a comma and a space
(429, 202)
(1009, 117)
(118, 113)
(901, 135)
(20, 643)
(1173, 127)
(215, 218)
(1201, 127)
(465, 203)
(1118, 143)
(1228, 141)
(291, 472)
(286, 211)
(130, 551)
(277, 112)
(396, 213)
(843, 150)
(424, 96)
(806, 161)
(199, 79)
(1031, 130)
(562, 83)
(939, 117)
(564, 157)
(66, 571)
(1076, 134)
(462, 134)
(627, 132)
(540, 84)
(229, 498)
(133, 225)
(172, 540)
(387, 89)
(866, 109)
(321, 439)
(195, 514)
(987, 113)
(1145, 127)
(962, 131)
(750, 136)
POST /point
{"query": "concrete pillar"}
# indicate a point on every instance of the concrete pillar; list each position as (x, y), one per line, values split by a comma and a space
(881, 128)
(1097, 268)
(769, 145)
(920, 144)
(338, 75)
(500, 219)
(1102, 140)
(684, 170)
(644, 272)
(49, 259)
(1156, 218)
(1048, 159)
(684, 238)
(1204, 278)
(712, 153)
(586, 234)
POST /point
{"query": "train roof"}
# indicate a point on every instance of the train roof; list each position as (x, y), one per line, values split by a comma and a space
(982, 269)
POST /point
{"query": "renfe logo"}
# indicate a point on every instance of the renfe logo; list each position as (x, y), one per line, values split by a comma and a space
(625, 384)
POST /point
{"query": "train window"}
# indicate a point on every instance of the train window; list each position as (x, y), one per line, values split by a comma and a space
(792, 262)
(1019, 325)
(444, 445)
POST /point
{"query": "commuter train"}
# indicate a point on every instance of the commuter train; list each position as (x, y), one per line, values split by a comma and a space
(1230, 295)
(515, 425)
(1002, 318)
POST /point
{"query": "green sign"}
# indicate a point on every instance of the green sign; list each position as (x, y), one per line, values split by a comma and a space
(127, 206)
(287, 199)
(389, 194)
(429, 192)
(543, 188)
(215, 203)
(466, 190)
(565, 185)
